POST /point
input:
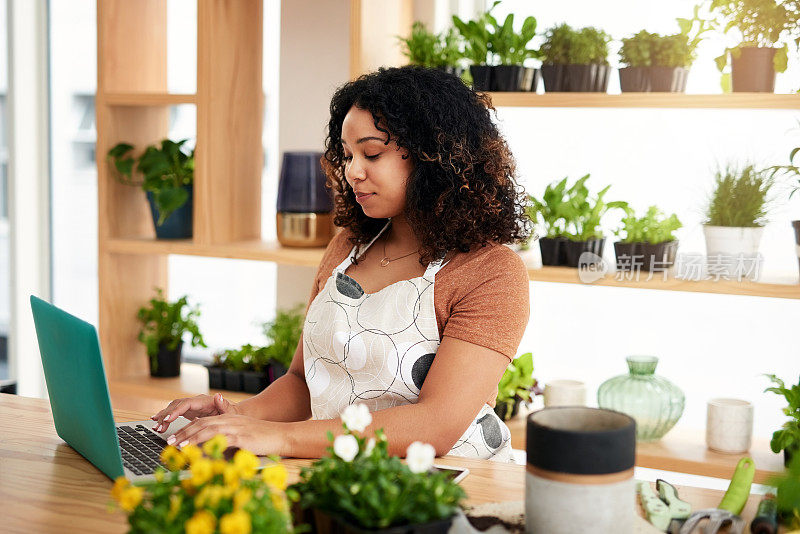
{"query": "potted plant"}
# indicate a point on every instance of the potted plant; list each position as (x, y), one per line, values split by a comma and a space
(551, 213)
(575, 60)
(219, 495)
(649, 238)
(510, 50)
(787, 498)
(766, 27)
(283, 334)
(358, 487)
(636, 56)
(163, 326)
(478, 41)
(432, 50)
(787, 439)
(516, 386)
(168, 176)
(735, 219)
(216, 372)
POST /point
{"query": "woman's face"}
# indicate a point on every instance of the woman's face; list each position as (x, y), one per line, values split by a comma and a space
(375, 171)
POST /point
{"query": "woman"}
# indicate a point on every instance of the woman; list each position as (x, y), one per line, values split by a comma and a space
(417, 308)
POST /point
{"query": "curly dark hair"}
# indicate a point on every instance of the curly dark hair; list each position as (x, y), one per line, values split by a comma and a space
(462, 191)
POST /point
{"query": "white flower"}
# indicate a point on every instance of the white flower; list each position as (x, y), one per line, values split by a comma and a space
(419, 456)
(356, 417)
(369, 447)
(345, 447)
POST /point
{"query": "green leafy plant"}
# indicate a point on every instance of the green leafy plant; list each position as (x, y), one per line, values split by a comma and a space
(283, 334)
(740, 197)
(508, 46)
(429, 49)
(165, 323)
(637, 51)
(787, 437)
(477, 36)
(517, 383)
(654, 227)
(365, 486)
(676, 50)
(246, 358)
(551, 210)
(791, 170)
(566, 46)
(787, 486)
(166, 171)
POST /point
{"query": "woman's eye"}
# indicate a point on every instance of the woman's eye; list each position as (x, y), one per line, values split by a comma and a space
(374, 156)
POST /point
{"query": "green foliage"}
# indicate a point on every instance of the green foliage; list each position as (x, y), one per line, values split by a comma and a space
(653, 228)
(672, 51)
(429, 49)
(489, 42)
(787, 437)
(166, 171)
(477, 36)
(788, 493)
(566, 46)
(739, 198)
(165, 323)
(374, 490)
(246, 358)
(637, 51)
(791, 170)
(283, 335)
(517, 382)
(551, 211)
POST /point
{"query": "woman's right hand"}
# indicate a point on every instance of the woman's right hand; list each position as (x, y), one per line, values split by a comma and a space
(192, 408)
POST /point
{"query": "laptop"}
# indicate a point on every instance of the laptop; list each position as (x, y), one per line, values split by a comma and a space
(76, 382)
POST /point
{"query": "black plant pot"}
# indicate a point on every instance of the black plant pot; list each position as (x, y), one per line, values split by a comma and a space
(753, 71)
(275, 371)
(254, 381)
(796, 226)
(167, 362)
(634, 80)
(626, 254)
(576, 248)
(659, 256)
(668, 79)
(179, 223)
(554, 251)
(324, 523)
(233, 380)
(788, 454)
(530, 80)
(449, 69)
(216, 377)
(580, 78)
(506, 78)
(602, 77)
(481, 77)
(502, 409)
(553, 78)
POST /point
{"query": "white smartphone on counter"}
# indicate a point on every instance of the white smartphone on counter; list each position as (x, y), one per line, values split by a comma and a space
(456, 474)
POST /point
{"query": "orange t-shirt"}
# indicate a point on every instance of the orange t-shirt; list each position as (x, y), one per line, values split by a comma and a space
(480, 296)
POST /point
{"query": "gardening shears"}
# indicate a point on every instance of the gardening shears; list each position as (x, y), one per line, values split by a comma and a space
(664, 508)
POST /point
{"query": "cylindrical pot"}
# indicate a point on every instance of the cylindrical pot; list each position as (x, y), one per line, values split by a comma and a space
(553, 77)
(178, 224)
(304, 204)
(167, 362)
(275, 371)
(753, 71)
(507, 78)
(254, 381)
(628, 255)
(233, 380)
(481, 77)
(576, 248)
(634, 80)
(554, 251)
(658, 256)
(581, 78)
(667, 79)
(729, 425)
(578, 456)
(304, 229)
(602, 77)
(450, 69)
(564, 393)
(796, 226)
(216, 377)
(655, 402)
(530, 79)
(733, 251)
(325, 523)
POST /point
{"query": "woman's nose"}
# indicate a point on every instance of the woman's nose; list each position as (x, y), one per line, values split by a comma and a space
(355, 171)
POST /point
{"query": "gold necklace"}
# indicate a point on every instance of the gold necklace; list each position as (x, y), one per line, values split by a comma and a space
(386, 260)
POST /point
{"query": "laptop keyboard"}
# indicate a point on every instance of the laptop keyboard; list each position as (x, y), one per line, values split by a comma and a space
(141, 449)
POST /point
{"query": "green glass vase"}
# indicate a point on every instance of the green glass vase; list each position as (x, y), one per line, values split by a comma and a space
(654, 402)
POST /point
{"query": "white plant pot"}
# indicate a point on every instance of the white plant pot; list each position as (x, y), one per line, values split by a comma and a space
(731, 248)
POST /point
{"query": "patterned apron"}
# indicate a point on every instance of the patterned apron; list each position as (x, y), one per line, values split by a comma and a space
(377, 348)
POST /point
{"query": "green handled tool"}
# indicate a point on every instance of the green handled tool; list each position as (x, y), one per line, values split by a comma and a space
(657, 510)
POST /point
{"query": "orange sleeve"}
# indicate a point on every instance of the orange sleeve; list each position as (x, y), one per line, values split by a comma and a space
(492, 306)
(337, 250)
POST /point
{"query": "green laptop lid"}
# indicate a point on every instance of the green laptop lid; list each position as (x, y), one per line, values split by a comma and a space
(76, 383)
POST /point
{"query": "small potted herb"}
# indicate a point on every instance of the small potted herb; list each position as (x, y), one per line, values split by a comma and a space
(358, 488)
(216, 372)
(636, 56)
(551, 213)
(787, 439)
(283, 334)
(787, 502)
(650, 238)
(735, 218)
(575, 60)
(510, 50)
(477, 38)
(516, 386)
(766, 28)
(168, 177)
(163, 327)
(432, 50)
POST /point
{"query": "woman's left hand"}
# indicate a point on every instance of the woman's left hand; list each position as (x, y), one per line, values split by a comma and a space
(256, 435)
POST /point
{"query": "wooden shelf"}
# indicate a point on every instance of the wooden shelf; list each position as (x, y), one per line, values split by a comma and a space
(647, 100)
(148, 99)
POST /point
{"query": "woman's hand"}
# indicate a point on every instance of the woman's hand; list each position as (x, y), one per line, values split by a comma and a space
(193, 407)
(256, 435)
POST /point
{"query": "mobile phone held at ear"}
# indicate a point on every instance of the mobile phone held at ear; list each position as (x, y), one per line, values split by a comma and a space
(456, 474)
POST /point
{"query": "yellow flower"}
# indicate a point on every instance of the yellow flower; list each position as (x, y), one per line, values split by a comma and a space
(192, 453)
(209, 496)
(215, 446)
(130, 498)
(201, 522)
(275, 476)
(231, 476)
(175, 502)
(219, 466)
(278, 501)
(237, 522)
(173, 458)
(241, 498)
(120, 483)
(202, 471)
(159, 475)
(246, 462)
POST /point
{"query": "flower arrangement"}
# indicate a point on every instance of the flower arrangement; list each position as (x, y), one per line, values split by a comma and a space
(358, 483)
(218, 496)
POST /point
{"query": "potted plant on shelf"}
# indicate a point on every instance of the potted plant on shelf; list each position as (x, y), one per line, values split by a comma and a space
(163, 327)
(735, 219)
(787, 439)
(793, 171)
(649, 238)
(432, 50)
(477, 47)
(168, 177)
(516, 386)
(766, 28)
(510, 50)
(283, 334)
(575, 60)
(358, 487)
(636, 56)
(551, 213)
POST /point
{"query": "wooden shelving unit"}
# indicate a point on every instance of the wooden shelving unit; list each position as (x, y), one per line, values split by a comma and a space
(149, 99)
(647, 100)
